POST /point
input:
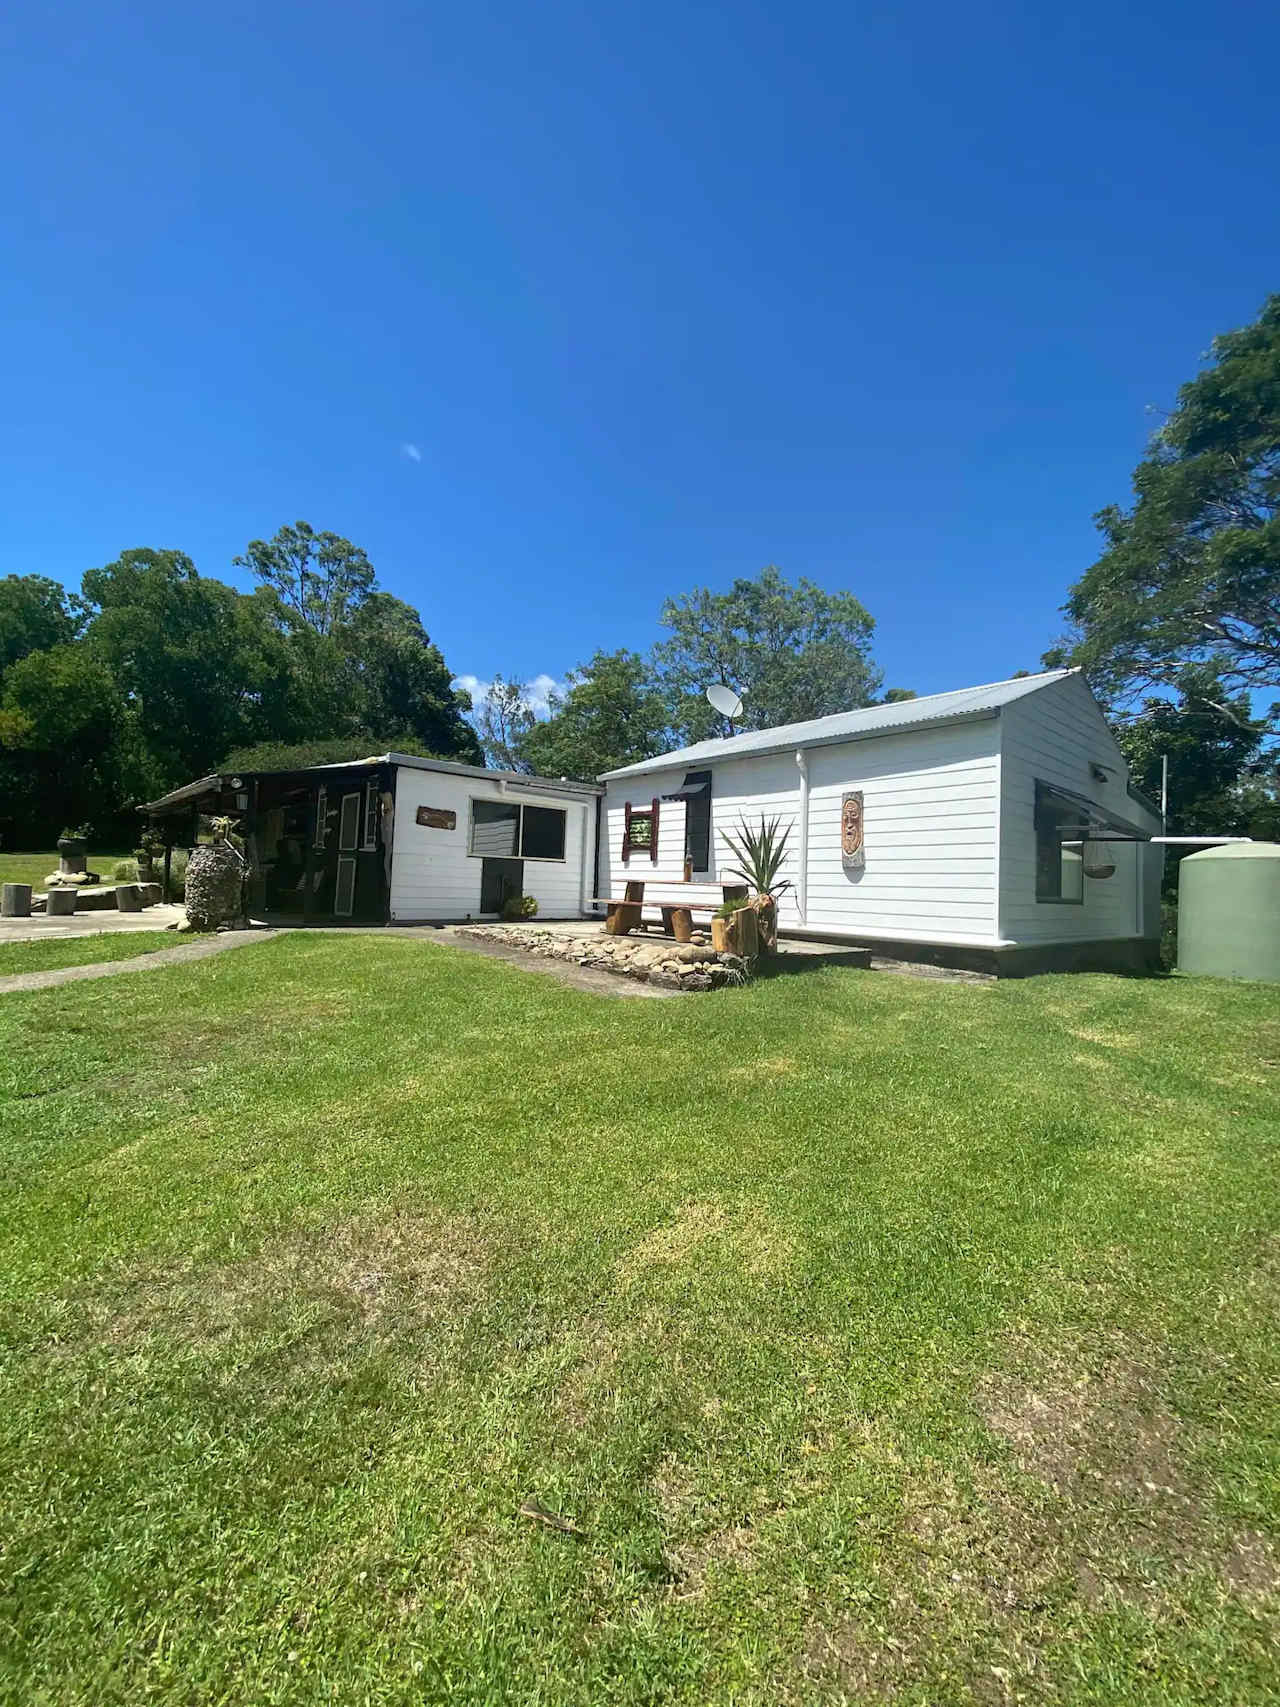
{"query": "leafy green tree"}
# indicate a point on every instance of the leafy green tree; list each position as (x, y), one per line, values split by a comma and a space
(320, 579)
(403, 685)
(504, 719)
(35, 614)
(1219, 775)
(194, 662)
(61, 723)
(792, 652)
(1187, 592)
(612, 714)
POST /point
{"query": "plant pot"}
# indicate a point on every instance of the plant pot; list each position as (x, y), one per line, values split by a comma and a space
(737, 934)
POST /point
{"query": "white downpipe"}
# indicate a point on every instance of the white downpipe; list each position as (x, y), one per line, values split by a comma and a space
(802, 887)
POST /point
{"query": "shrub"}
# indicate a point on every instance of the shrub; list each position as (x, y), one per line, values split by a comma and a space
(520, 907)
(125, 871)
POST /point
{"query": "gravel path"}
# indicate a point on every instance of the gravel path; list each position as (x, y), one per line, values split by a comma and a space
(200, 949)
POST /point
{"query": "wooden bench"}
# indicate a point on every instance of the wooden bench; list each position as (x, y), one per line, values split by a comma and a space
(625, 915)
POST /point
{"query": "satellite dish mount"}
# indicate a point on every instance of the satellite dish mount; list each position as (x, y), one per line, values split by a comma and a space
(726, 702)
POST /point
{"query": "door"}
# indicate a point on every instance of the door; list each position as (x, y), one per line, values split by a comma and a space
(344, 889)
(499, 879)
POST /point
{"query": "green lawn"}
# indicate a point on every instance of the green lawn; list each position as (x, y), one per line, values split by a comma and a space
(80, 950)
(33, 868)
(884, 1340)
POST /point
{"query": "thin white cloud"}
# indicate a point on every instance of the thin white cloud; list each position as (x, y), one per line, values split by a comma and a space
(411, 451)
(537, 691)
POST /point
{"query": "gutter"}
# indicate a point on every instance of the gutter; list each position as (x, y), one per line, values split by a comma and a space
(692, 756)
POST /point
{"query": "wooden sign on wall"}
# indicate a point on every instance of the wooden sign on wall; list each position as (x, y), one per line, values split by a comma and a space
(853, 853)
(437, 818)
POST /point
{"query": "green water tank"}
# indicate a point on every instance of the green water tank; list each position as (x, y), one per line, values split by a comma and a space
(1229, 912)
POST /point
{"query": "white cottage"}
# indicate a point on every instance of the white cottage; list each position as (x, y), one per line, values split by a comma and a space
(994, 827)
(399, 839)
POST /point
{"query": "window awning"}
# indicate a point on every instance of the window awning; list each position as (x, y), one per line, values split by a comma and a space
(694, 786)
(1090, 821)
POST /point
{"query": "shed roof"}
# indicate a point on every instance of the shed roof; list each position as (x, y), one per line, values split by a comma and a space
(902, 714)
(210, 784)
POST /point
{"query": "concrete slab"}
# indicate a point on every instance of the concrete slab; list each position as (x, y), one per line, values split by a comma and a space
(41, 928)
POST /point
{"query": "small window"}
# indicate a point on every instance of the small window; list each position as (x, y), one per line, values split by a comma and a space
(344, 893)
(697, 819)
(502, 829)
(372, 812)
(543, 833)
(322, 816)
(1059, 850)
(349, 823)
(495, 829)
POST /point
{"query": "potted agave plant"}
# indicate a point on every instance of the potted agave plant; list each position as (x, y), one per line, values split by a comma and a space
(759, 854)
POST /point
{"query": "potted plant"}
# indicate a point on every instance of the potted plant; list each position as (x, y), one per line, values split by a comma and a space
(517, 907)
(759, 854)
(75, 841)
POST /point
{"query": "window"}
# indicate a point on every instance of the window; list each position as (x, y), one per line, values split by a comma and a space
(502, 829)
(372, 812)
(348, 823)
(322, 816)
(1059, 849)
(543, 833)
(640, 831)
(697, 819)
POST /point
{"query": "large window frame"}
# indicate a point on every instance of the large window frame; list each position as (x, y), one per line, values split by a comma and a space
(520, 807)
(1059, 859)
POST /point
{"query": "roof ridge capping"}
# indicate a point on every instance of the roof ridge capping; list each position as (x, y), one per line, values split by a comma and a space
(955, 703)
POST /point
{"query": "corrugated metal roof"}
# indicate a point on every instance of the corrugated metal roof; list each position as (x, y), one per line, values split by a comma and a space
(516, 779)
(852, 725)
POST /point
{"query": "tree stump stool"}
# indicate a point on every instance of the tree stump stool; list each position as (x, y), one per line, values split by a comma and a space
(128, 898)
(60, 903)
(16, 901)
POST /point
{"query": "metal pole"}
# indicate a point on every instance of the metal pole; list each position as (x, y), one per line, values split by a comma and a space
(1164, 792)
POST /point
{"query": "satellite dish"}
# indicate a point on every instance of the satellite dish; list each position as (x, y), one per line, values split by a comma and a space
(725, 701)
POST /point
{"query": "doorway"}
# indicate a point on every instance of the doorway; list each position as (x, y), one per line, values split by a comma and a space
(500, 879)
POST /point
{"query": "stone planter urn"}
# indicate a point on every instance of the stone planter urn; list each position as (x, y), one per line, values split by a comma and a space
(145, 859)
(215, 883)
(71, 872)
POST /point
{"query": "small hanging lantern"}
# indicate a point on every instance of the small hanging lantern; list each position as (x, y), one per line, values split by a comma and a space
(1098, 860)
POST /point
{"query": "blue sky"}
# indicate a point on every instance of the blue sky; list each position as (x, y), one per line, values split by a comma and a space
(558, 309)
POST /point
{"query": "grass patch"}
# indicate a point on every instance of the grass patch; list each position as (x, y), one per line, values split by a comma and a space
(49, 956)
(921, 1363)
(33, 868)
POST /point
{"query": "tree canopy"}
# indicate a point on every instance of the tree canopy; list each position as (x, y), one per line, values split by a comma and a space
(791, 651)
(1186, 596)
(157, 674)
(613, 713)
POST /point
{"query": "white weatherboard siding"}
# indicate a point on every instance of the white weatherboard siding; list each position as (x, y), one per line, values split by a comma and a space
(1054, 736)
(930, 804)
(769, 784)
(929, 817)
(434, 877)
